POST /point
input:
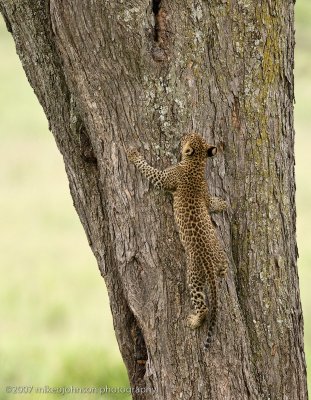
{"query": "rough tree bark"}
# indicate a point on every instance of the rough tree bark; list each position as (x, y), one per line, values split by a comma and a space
(115, 74)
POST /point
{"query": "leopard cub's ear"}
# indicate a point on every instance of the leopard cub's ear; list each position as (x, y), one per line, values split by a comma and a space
(211, 151)
(188, 150)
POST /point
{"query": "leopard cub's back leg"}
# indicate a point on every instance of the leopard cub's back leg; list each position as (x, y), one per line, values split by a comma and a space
(197, 287)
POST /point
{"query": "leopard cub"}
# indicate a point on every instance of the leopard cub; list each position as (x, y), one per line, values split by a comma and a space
(192, 207)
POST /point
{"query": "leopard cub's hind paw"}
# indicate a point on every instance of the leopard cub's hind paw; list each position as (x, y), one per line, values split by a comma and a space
(195, 320)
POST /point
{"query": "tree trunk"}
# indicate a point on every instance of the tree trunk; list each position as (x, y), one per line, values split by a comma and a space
(112, 75)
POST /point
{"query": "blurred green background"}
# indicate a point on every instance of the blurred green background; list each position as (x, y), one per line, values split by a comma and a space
(55, 322)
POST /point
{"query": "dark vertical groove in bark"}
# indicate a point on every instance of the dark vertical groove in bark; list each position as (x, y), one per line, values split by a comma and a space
(156, 4)
(225, 70)
(161, 33)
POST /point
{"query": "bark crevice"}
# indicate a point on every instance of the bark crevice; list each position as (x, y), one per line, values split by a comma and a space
(156, 9)
(160, 50)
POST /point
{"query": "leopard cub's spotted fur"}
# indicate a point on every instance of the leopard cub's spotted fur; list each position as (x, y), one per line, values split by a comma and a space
(192, 207)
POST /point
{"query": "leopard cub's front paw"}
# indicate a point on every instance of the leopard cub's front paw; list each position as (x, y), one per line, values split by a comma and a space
(133, 155)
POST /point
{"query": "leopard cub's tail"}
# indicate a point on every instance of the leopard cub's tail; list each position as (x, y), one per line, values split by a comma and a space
(213, 313)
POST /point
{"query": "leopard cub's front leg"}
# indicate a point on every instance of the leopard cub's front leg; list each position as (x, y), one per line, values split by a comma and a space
(160, 179)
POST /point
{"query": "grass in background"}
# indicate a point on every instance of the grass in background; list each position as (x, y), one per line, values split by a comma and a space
(303, 144)
(55, 321)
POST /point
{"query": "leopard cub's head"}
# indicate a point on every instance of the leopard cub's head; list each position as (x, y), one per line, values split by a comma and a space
(193, 146)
